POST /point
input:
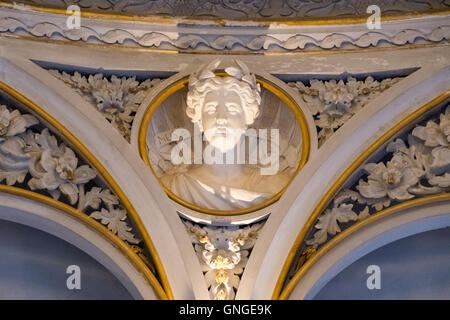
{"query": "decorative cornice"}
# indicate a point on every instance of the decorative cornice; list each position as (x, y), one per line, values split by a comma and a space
(279, 37)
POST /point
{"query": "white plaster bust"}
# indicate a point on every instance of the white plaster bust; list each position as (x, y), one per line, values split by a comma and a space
(222, 108)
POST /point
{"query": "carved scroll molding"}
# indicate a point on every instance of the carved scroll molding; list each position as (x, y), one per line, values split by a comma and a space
(117, 99)
(415, 165)
(178, 36)
(223, 253)
(333, 103)
(260, 9)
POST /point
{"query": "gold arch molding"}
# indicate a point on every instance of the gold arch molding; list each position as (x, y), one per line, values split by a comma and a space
(273, 88)
(283, 293)
(161, 287)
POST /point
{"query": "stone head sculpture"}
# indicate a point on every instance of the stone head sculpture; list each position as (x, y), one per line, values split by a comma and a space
(223, 106)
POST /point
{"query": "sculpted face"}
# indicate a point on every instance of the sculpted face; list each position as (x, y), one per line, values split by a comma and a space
(223, 118)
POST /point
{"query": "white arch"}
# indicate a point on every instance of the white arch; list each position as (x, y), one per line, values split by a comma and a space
(367, 239)
(293, 209)
(66, 227)
(122, 163)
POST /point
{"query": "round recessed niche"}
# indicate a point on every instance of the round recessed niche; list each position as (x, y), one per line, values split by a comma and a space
(251, 176)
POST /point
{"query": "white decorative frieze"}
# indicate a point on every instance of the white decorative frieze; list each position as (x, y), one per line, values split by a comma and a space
(333, 103)
(237, 35)
(223, 253)
(117, 99)
(33, 158)
(418, 165)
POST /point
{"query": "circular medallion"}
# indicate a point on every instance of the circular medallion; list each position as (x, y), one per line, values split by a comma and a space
(219, 150)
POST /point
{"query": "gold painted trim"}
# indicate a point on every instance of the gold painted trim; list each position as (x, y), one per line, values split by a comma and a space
(105, 174)
(343, 178)
(182, 83)
(93, 225)
(353, 229)
(260, 22)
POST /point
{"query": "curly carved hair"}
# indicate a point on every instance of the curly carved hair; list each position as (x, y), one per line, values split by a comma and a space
(250, 97)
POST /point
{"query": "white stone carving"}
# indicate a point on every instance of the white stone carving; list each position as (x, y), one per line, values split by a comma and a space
(223, 253)
(260, 9)
(117, 98)
(223, 108)
(36, 159)
(237, 96)
(419, 166)
(334, 102)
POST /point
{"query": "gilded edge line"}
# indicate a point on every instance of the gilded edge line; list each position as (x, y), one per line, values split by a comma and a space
(280, 93)
(353, 229)
(342, 179)
(165, 291)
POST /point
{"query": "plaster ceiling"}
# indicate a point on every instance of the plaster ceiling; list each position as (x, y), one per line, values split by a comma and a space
(249, 9)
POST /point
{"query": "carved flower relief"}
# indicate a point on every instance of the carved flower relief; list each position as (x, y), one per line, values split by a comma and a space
(117, 99)
(114, 219)
(110, 102)
(421, 167)
(334, 102)
(14, 161)
(53, 167)
(57, 171)
(437, 137)
(13, 123)
(433, 134)
(112, 96)
(390, 180)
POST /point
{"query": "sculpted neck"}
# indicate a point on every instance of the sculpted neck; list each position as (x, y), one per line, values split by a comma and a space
(226, 170)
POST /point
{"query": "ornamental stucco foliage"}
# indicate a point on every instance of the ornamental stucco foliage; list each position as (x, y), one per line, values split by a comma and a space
(333, 103)
(117, 99)
(419, 165)
(223, 253)
(248, 8)
(33, 158)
